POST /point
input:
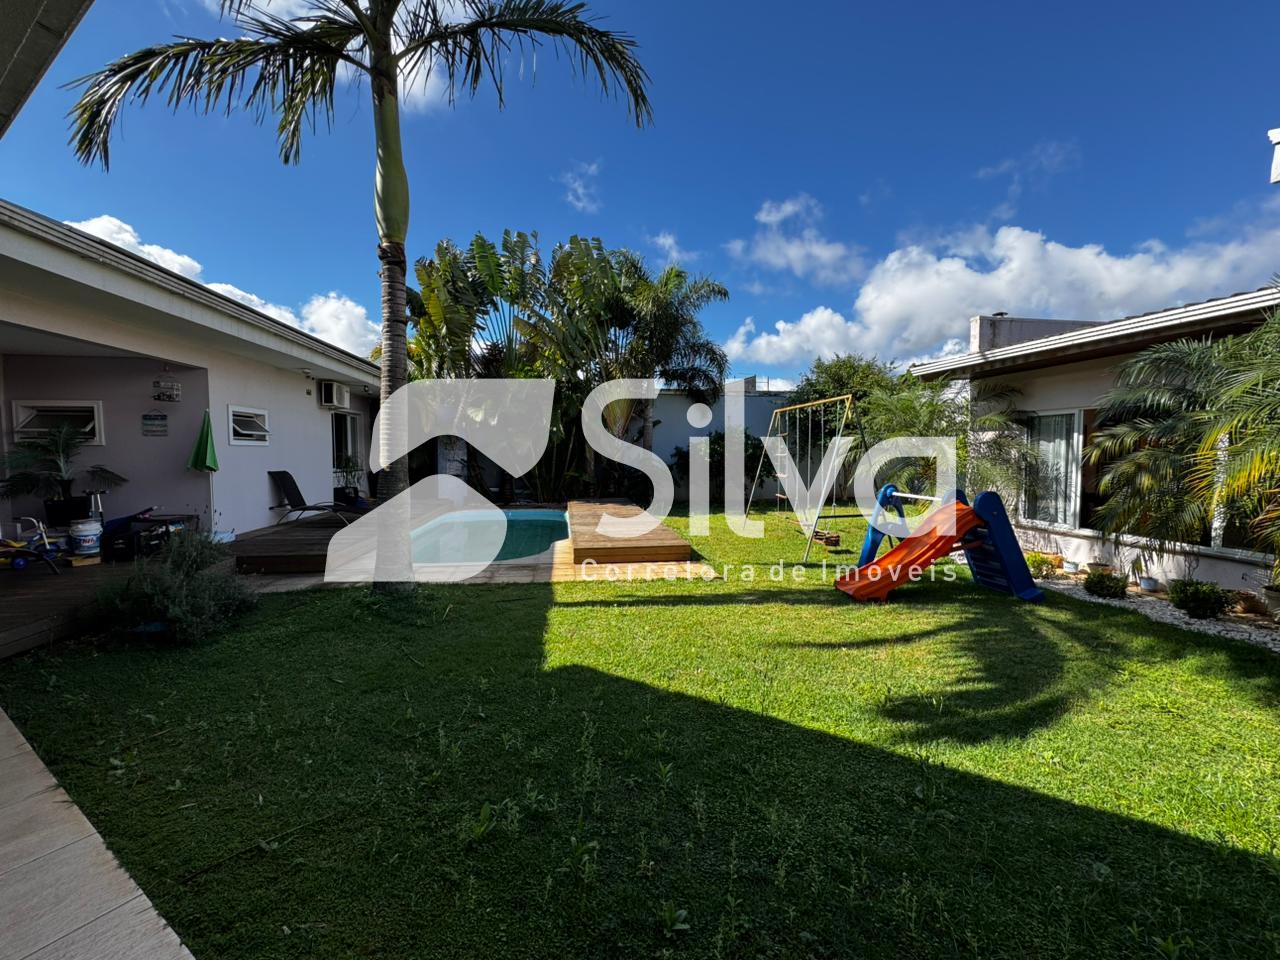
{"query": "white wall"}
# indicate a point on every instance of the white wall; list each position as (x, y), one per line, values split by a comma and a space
(1068, 387)
(155, 466)
(674, 431)
(300, 442)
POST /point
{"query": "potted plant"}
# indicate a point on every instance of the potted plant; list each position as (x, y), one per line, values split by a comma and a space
(1271, 592)
(1139, 569)
(348, 472)
(44, 467)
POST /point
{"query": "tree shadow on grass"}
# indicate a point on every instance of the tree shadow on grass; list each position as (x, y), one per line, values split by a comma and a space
(350, 775)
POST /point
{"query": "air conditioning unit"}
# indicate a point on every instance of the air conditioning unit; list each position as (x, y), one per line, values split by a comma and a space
(334, 394)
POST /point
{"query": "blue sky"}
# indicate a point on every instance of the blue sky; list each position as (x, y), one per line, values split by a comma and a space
(862, 177)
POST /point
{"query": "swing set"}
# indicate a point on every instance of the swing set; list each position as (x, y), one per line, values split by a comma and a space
(794, 426)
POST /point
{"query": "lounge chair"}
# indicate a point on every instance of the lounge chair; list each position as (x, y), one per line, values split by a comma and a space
(292, 499)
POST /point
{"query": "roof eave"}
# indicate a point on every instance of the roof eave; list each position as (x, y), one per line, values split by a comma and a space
(1108, 339)
(82, 244)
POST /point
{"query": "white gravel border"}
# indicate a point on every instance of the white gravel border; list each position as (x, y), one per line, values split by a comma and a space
(1162, 611)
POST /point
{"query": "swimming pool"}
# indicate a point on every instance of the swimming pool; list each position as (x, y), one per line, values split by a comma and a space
(469, 536)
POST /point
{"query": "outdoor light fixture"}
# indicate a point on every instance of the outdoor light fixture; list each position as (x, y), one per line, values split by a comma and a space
(1275, 159)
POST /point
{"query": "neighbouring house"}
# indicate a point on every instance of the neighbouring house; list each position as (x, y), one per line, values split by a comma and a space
(1062, 369)
(671, 427)
(134, 354)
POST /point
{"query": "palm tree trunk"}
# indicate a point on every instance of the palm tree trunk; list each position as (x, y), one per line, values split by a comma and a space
(391, 210)
(646, 435)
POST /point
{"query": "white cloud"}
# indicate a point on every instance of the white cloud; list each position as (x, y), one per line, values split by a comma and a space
(582, 190)
(331, 317)
(822, 332)
(670, 247)
(918, 299)
(1045, 159)
(255, 302)
(340, 320)
(789, 240)
(124, 236)
(774, 212)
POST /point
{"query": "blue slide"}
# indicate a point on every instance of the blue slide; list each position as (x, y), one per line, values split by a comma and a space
(995, 559)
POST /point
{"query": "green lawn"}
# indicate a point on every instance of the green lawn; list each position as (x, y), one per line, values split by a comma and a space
(728, 768)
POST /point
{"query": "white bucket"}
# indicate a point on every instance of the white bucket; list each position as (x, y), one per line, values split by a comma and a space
(86, 538)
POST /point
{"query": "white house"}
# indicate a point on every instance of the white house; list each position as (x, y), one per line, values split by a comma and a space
(94, 334)
(1062, 370)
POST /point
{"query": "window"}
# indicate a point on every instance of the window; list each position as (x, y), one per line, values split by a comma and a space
(35, 418)
(248, 427)
(1052, 481)
(347, 452)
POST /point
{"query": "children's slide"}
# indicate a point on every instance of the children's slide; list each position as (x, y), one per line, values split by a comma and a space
(983, 531)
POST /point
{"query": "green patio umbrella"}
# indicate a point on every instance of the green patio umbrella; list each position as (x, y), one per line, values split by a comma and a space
(204, 456)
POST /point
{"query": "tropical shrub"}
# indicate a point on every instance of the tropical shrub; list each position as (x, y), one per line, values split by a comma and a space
(1200, 599)
(1107, 585)
(1041, 565)
(752, 450)
(183, 594)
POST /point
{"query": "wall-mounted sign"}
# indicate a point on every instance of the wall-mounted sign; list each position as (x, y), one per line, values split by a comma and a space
(166, 391)
(155, 424)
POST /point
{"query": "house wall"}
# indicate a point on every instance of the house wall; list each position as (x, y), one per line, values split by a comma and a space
(1079, 386)
(155, 466)
(300, 441)
(301, 438)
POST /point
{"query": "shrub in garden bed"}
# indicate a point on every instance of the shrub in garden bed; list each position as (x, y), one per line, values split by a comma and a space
(1200, 599)
(1041, 565)
(184, 593)
(1106, 585)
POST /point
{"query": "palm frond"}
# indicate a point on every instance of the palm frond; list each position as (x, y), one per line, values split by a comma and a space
(473, 46)
(286, 69)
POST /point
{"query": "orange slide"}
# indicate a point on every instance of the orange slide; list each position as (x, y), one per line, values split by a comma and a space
(874, 580)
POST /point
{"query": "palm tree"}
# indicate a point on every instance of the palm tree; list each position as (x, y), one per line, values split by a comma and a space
(655, 334)
(290, 68)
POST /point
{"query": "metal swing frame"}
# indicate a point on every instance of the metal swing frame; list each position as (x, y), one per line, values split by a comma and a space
(785, 414)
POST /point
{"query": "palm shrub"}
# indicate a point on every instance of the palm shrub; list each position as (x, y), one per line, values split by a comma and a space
(45, 466)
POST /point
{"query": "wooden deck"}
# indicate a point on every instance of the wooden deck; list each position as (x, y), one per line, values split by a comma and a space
(660, 545)
(38, 606)
(300, 546)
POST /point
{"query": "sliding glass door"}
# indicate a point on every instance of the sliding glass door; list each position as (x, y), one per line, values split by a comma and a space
(1052, 480)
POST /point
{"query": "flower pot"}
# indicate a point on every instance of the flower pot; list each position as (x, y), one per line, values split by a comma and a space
(1148, 584)
(1070, 566)
(346, 495)
(1271, 597)
(1096, 566)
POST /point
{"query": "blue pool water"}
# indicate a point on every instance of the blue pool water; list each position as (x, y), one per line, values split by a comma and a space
(466, 537)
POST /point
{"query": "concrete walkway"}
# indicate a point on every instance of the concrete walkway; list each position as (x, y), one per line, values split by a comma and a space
(63, 896)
